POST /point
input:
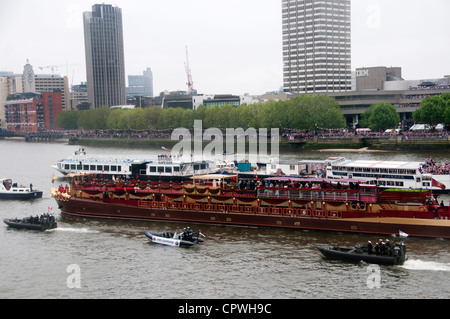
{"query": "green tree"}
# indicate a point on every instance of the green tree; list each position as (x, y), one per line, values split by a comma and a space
(313, 111)
(94, 119)
(187, 119)
(433, 110)
(383, 116)
(364, 121)
(68, 120)
(152, 115)
(114, 118)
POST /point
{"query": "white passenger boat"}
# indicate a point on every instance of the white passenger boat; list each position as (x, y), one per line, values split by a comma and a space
(10, 190)
(389, 174)
(164, 167)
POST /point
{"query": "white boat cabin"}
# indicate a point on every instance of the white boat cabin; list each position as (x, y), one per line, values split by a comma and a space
(398, 174)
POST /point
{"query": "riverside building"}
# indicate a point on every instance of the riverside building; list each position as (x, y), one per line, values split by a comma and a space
(385, 84)
(316, 46)
(32, 112)
(105, 62)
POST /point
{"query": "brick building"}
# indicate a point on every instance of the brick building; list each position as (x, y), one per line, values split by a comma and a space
(33, 112)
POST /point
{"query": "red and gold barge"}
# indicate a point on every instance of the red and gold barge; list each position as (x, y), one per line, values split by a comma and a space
(309, 204)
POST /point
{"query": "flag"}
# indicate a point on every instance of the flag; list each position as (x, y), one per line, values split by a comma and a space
(53, 179)
(403, 234)
(435, 183)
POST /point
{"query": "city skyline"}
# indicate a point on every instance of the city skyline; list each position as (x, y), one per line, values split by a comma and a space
(234, 47)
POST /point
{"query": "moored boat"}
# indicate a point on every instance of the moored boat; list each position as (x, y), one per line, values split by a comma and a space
(43, 222)
(10, 190)
(165, 167)
(345, 205)
(395, 255)
(393, 174)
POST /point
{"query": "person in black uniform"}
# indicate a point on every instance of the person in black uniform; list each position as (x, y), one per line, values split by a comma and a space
(369, 248)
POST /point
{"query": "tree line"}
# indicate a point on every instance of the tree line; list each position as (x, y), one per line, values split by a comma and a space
(303, 112)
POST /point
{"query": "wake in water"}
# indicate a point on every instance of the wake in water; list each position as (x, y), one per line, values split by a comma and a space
(417, 264)
(76, 230)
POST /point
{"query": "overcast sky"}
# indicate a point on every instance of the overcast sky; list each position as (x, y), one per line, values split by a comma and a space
(235, 46)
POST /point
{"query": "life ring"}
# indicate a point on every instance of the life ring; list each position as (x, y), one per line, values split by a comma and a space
(356, 205)
(422, 208)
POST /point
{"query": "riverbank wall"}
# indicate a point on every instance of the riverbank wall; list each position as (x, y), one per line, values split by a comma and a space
(392, 143)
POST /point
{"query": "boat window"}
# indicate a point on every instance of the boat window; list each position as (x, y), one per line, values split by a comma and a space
(119, 168)
(152, 169)
(66, 166)
(99, 167)
(92, 167)
(196, 167)
(168, 169)
(114, 168)
(203, 166)
(426, 184)
(176, 169)
(79, 167)
(72, 166)
(160, 169)
(106, 168)
(85, 167)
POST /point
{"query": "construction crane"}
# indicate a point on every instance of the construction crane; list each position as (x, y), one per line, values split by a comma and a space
(190, 83)
(56, 67)
(52, 67)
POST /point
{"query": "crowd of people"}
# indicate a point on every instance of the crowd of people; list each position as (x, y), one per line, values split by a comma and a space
(430, 87)
(381, 248)
(431, 167)
(293, 135)
(63, 189)
(137, 134)
(285, 133)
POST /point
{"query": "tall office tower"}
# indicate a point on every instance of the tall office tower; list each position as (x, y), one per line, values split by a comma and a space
(316, 46)
(105, 62)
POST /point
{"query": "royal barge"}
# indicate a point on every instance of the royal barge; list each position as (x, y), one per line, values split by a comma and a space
(345, 205)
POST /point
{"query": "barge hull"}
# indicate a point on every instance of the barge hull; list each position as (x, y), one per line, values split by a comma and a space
(384, 226)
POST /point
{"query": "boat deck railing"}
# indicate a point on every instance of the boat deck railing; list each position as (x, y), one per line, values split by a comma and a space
(331, 194)
(318, 194)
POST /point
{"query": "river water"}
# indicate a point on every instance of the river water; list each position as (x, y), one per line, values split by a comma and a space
(89, 258)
